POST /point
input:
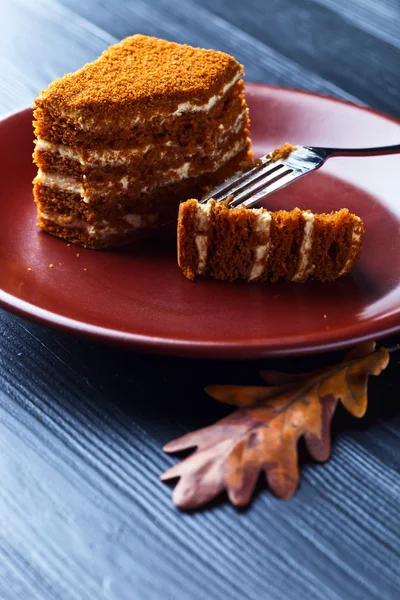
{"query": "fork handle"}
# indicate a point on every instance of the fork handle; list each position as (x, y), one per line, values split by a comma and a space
(328, 152)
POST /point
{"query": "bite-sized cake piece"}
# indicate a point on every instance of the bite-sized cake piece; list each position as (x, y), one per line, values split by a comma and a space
(124, 139)
(282, 152)
(258, 245)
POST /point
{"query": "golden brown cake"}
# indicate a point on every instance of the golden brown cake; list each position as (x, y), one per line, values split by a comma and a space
(258, 245)
(282, 152)
(124, 139)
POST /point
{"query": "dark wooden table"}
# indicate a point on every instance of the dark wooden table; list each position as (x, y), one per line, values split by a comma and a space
(82, 513)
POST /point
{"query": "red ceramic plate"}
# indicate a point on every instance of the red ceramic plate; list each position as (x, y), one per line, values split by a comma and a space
(137, 296)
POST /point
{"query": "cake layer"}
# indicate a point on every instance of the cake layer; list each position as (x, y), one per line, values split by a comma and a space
(78, 159)
(62, 212)
(131, 82)
(104, 185)
(150, 159)
(187, 128)
(257, 245)
(96, 238)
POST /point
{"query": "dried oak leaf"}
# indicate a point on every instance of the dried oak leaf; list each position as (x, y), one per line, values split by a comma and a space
(262, 435)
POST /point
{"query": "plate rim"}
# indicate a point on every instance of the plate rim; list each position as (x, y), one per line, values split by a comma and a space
(183, 348)
(227, 350)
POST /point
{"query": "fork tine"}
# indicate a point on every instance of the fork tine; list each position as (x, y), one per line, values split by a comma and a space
(225, 187)
(248, 187)
(260, 183)
(263, 173)
(275, 185)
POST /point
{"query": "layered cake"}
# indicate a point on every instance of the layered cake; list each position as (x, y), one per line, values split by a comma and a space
(258, 245)
(124, 139)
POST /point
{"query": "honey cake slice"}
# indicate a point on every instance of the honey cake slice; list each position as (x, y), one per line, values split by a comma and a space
(120, 142)
(257, 245)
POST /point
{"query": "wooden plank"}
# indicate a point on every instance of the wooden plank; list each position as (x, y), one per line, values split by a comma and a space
(324, 43)
(380, 19)
(40, 41)
(16, 88)
(81, 430)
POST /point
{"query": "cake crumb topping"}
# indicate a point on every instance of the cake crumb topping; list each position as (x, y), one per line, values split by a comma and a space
(141, 69)
(282, 152)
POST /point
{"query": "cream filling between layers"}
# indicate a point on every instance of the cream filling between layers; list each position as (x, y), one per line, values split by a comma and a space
(261, 253)
(101, 157)
(61, 182)
(355, 240)
(236, 127)
(71, 184)
(305, 267)
(201, 238)
(103, 229)
(185, 107)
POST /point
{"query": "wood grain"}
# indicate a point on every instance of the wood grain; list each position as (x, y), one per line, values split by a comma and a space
(380, 19)
(35, 47)
(82, 513)
(81, 430)
(323, 41)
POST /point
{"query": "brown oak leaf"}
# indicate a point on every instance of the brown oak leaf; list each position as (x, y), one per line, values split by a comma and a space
(263, 434)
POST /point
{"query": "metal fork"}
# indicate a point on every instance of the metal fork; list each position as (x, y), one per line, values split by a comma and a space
(250, 186)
